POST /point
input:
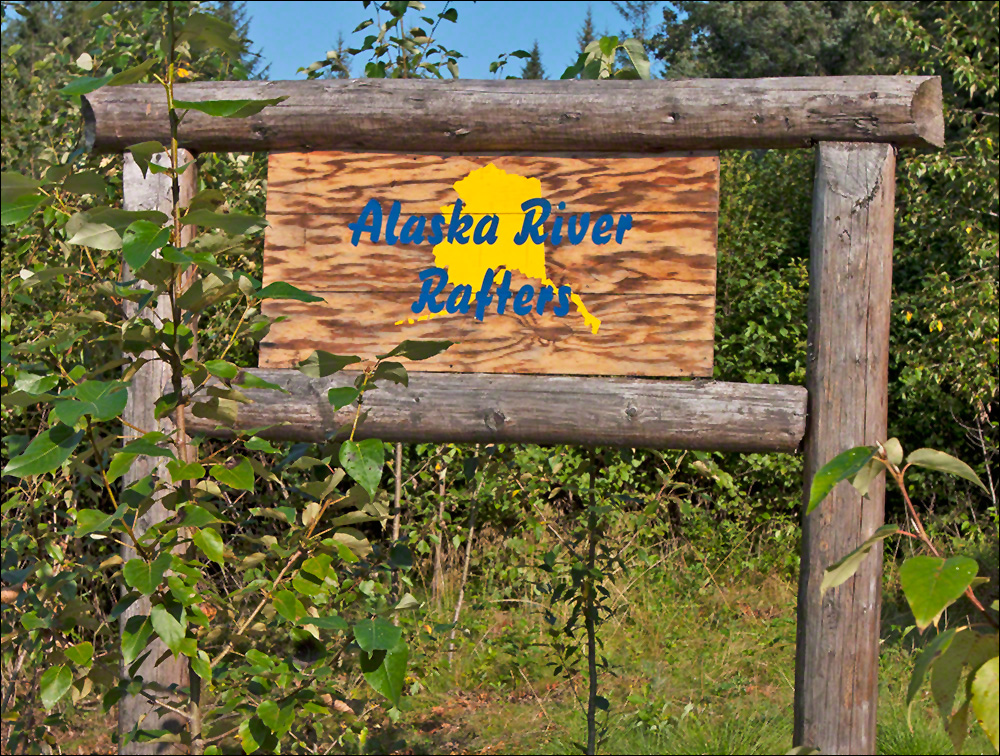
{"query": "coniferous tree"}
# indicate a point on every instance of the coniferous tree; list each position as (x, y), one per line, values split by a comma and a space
(533, 68)
(586, 35)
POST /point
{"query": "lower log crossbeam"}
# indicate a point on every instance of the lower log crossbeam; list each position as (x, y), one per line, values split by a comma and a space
(487, 408)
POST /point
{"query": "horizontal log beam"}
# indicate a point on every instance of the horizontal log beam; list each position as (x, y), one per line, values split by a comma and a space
(535, 116)
(483, 408)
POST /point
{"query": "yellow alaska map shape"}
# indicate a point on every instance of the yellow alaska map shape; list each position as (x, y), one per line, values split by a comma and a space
(486, 191)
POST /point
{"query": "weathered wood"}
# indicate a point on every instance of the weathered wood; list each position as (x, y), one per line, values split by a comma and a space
(325, 182)
(836, 675)
(672, 253)
(152, 192)
(479, 408)
(653, 292)
(639, 335)
(410, 115)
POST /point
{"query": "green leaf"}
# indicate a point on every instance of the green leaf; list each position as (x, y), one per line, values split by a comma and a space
(841, 571)
(450, 14)
(385, 671)
(376, 634)
(255, 736)
(210, 543)
(320, 364)
(85, 85)
(45, 453)
(185, 471)
(288, 605)
(54, 684)
(222, 369)
(145, 576)
(927, 657)
(14, 185)
(239, 476)
(637, 55)
(91, 521)
(843, 466)
(228, 108)
(234, 224)
(985, 700)
(391, 371)
(85, 182)
(168, 627)
(341, 397)
(363, 462)
(143, 154)
(141, 240)
(867, 475)
(278, 719)
(282, 290)
(92, 234)
(101, 400)
(82, 654)
(135, 636)
(132, 75)
(417, 350)
(937, 460)
(206, 30)
(18, 209)
(931, 584)
(196, 516)
(893, 451)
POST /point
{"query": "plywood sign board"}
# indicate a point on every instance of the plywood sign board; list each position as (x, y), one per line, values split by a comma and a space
(556, 264)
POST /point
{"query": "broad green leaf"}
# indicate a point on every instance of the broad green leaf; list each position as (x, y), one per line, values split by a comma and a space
(288, 605)
(82, 654)
(278, 719)
(141, 240)
(135, 636)
(931, 584)
(85, 85)
(385, 671)
(417, 350)
(893, 451)
(201, 665)
(985, 700)
(341, 397)
(54, 684)
(234, 224)
(18, 209)
(222, 369)
(843, 466)
(320, 364)
(936, 460)
(637, 54)
(185, 471)
(210, 543)
(958, 727)
(252, 381)
(101, 400)
(91, 521)
(133, 74)
(196, 516)
(145, 576)
(391, 371)
(92, 234)
(45, 453)
(168, 627)
(841, 571)
(149, 446)
(376, 634)
(866, 476)
(206, 30)
(85, 182)
(927, 657)
(239, 476)
(256, 736)
(14, 185)
(363, 462)
(282, 290)
(143, 153)
(227, 108)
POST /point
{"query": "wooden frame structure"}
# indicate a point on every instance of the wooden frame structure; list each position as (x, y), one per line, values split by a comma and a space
(854, 124)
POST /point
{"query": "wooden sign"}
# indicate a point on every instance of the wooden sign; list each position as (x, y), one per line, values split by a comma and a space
(568, 264)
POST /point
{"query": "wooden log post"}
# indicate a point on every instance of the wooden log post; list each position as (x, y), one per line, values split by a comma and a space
(161, 672)
(837, 656)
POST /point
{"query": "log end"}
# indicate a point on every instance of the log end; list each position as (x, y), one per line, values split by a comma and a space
(928, 113)
(89, 123)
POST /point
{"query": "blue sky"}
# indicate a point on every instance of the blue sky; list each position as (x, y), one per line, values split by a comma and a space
(291, 34)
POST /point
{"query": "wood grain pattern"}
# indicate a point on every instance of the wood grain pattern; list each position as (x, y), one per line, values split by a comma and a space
(654, 293)
(639, 335)
(850, 297)
(672, 253)
(330, 182)
(410, 115)
(531, 409)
